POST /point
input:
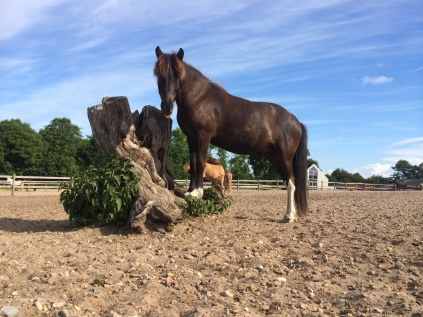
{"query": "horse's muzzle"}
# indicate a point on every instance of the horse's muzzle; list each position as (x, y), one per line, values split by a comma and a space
(166, 109)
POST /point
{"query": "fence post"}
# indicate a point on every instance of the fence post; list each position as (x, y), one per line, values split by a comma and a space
(237, 184)
(13, 184)
(277, 184)
(258, 184)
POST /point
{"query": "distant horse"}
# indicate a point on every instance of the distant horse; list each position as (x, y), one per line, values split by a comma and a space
(228, 182)
(212, 173)
(400, 185)
(208, 114)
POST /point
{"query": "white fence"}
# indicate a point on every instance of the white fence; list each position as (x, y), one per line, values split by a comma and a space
(278, 184)
(31, 183)
(238, 184)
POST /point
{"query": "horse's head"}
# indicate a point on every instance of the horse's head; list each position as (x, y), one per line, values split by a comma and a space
(169, 71)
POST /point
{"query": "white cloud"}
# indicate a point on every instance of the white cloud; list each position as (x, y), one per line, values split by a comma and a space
(408, 141)
(410, 149)
(375, 169)
(19, 15)
(377, 80)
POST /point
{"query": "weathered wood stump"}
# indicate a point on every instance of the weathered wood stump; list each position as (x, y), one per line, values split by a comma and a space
(144, 139)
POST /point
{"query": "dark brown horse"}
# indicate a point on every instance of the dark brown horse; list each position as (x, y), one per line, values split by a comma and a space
(399, 184)
(208, 114)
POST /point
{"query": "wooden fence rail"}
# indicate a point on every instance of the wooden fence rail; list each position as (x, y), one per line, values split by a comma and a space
(278, 184)
(30, 183)
(238, 184)
(27, 183)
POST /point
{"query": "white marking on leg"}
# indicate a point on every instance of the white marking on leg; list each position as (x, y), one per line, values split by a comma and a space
(291, 212)
(197, 193)
(200, 193)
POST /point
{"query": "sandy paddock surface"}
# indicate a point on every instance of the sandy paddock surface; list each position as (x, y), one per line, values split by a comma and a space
(355, 254)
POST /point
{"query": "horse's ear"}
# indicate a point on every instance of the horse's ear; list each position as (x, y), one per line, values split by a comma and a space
(158, 51)
(180, 54)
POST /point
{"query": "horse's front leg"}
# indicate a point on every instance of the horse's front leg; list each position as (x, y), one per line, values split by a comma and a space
(198, 151)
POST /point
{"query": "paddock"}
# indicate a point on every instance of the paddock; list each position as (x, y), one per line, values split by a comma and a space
(356, 253)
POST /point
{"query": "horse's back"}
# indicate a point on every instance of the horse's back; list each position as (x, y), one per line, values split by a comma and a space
(213, 172)
(249, 127)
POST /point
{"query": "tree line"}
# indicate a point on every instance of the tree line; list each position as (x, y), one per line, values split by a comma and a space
(59, 147)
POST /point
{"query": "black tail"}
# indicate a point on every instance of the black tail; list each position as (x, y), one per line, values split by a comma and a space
(300, 173)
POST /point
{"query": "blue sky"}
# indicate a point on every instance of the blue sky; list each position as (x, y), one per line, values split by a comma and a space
(352, 71)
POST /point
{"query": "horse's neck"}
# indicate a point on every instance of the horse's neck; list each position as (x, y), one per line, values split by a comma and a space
(193, 84)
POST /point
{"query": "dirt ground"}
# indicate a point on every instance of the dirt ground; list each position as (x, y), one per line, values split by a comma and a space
(355, 254)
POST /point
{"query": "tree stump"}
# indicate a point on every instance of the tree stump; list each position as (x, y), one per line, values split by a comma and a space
(143, 138)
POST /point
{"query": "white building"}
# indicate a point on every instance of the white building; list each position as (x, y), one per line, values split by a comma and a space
(316, 178)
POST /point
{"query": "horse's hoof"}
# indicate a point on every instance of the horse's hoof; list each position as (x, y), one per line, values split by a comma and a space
(288, 220)
(196, 193)
(192, 194)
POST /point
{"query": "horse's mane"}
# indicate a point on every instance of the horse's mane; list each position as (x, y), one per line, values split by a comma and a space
(170, 66)
(213, 161)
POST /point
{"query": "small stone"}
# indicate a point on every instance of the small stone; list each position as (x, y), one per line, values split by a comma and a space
(33, 277)
(399, 265)
(347, 311)
(260, 268)
(59, 304)
(339, 303)
(39, 305)
(377, 310)
(9, 311)
(227, 293)
(64, 313)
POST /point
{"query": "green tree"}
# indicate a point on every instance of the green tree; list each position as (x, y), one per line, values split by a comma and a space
(357, 178)
(404, 170)
(86, 153)
(310, 162)
(418, 171)
(378, 179)
(262, 168)
(221, 154)
(63, 140)
(178, 154)
(341, 175)
(223, 157)
(21, 148)
(239, 167)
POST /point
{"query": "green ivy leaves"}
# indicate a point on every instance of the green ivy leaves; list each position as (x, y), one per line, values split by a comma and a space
(103, 193)
(210, 204)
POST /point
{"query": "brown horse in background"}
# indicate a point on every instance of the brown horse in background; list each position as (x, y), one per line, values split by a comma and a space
(212, 173)
(208, 114)
(399, 184)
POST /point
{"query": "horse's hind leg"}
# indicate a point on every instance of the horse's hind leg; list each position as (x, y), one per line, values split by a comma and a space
(222, 185)
(285, 170)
